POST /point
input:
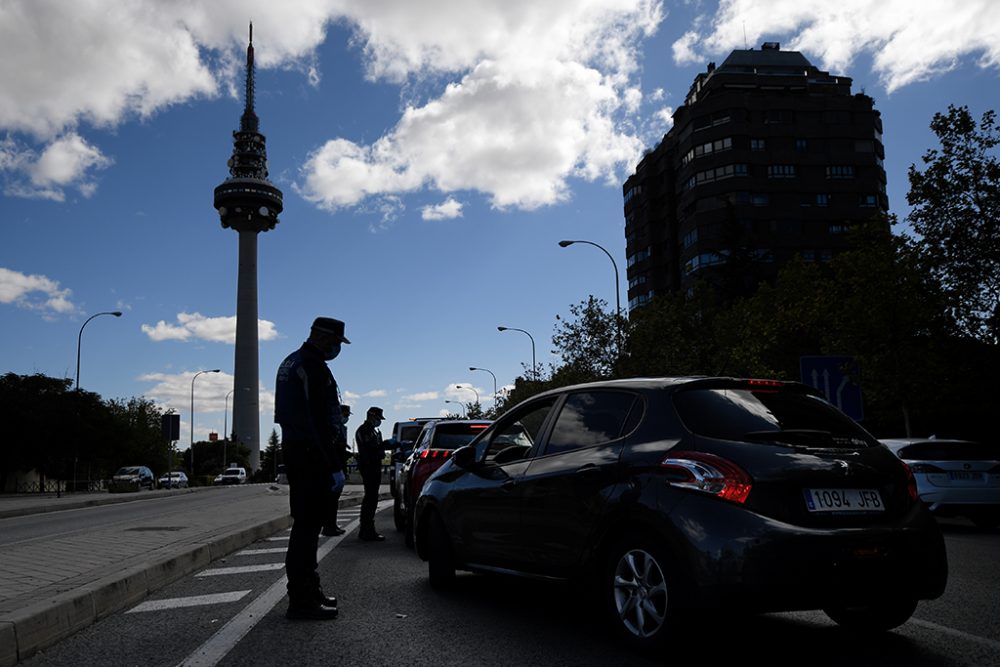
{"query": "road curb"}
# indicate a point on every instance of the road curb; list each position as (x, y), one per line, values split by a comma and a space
(30, 629)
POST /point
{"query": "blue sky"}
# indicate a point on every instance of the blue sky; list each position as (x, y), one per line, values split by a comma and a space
(432, 155)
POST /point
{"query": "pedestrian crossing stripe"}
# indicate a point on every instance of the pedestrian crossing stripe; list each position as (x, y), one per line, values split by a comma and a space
(240, 570)
(258, 552)
(191, 601)
(283, 538)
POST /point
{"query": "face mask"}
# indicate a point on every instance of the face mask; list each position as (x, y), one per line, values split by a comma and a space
(332, 353)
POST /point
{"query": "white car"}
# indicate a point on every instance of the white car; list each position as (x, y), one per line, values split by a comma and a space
(232, 476)
(173, 480)
(954, 477)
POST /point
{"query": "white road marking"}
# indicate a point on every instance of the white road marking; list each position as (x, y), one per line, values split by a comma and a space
(995, 645)
(283, 538)
(222, 642)
(240, 570)
(192, 601)
(258, 552)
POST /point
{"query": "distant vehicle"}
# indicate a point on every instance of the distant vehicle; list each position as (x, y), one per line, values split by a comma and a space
(404, 434)
(954, 477)
(232, 476)
(173, 480)
(673, 495)
(437, 440)
(281, 477)
(132, 478)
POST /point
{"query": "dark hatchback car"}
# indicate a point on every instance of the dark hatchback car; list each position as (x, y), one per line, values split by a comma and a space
(674, 494)
(436, 442)
(404, 434)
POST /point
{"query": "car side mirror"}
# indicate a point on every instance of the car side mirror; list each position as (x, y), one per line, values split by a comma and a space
(465, 457)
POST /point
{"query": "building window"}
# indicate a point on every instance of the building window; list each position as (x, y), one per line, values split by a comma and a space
(716, 174)
(640, 300)
(638, 257)
(638, 280)
(690, 238)
(704, 259)
(864, 146)
(758, 145)
(705, 122)
(838, 228)
(708, 148)
(836, 117)
(632, 192)
(868, 201)
(781, 171)
(808, 256)
(801, 145)
(840, 171)
(823, 199)
(760, 199)
(825, 255)
(779, 116)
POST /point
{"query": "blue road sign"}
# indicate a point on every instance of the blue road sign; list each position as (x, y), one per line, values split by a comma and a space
(837, 378)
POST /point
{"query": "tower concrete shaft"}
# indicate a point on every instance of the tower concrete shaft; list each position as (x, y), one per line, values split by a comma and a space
(248, 203)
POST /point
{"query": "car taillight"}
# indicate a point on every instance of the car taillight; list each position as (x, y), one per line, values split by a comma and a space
(435, 453)
(708, 473)
(911, 482)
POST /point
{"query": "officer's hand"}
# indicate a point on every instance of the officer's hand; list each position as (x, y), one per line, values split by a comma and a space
(338, 482)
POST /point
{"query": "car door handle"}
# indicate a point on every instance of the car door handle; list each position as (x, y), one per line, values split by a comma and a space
(589, 470)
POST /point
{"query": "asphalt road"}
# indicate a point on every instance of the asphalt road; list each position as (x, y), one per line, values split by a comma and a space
(390, 616)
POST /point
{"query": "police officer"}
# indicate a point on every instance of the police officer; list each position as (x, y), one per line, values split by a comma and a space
(307, 407)
(371, 450)
(330, 526)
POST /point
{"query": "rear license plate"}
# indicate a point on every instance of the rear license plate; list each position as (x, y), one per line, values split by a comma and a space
(964, 475)
(843, 500)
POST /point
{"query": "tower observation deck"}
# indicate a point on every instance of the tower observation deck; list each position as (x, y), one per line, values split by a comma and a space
(249, 204)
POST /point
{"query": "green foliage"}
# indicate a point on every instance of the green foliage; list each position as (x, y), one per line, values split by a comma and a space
(956, 210)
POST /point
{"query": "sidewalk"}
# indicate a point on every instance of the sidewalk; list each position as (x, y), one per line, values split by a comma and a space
(51, 588)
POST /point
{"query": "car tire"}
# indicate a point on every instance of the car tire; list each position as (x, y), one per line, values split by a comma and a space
(440, 557)
(398, 518)
(877, 616)
(408, 537)
(640, 593)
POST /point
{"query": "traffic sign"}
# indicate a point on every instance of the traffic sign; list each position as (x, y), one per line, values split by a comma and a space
(837, 378)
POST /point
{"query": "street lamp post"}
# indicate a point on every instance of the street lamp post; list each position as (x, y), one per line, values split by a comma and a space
(618, 304)
(225, 428)
(470, 387)
(534, 367)
(214, 370)
(473, 368)
(459, 403)
(79, 340)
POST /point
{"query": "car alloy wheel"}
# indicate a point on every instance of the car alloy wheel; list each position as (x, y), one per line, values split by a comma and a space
(398, 517)
(440, 558)
(639, 594)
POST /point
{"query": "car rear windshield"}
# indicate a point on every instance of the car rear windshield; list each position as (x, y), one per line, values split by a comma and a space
(768, 415)
(453, 436)
(409, 432)
(127, 471)
(950, 451)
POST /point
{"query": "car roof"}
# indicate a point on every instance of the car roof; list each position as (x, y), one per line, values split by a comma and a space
(667, 382)
(898, 443)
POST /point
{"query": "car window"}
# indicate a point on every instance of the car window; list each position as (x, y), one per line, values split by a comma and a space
(453, 436)
(589, 418)
(954, 450)
(520, 429)
(739, 414)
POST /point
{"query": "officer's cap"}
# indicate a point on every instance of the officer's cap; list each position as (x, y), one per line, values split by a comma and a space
(328, 325)
(377, 412)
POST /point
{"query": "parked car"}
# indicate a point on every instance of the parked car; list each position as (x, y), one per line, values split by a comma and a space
(679, 494)
(173, 480)
(437, 440)
(132, 478)
(404, 434)
(954, 477)
(232, 476)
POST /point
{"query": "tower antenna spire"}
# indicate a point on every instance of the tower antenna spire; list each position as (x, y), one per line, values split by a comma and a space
(248, 122)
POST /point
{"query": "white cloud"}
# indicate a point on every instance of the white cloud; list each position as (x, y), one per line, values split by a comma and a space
(35, 292)
(422, 397)
(66, 162)
(909, 41)
(196, 326)
(446, 210)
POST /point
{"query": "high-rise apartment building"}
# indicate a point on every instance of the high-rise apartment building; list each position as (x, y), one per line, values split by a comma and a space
(768, 157)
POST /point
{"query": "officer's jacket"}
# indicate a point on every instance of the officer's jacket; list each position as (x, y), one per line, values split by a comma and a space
(371, 448)
(307, 407)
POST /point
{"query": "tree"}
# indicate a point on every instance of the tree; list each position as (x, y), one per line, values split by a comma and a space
(269, 459)
(956, 210)
(588, 341)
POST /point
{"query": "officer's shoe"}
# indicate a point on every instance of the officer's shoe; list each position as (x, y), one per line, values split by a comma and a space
(326, 600)
(333, 532)
(371, 536)
(310, 611)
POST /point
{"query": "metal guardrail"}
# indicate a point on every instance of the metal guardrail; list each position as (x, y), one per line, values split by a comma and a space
(60, 486)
